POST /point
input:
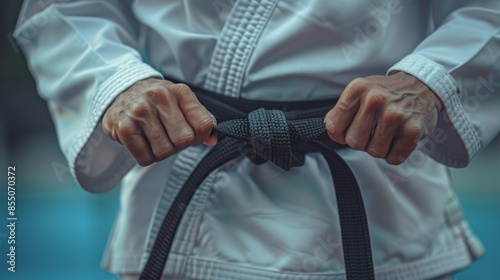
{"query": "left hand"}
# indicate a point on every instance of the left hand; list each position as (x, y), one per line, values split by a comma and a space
(385, 116)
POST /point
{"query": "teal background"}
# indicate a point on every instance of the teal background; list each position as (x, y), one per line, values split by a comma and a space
(62, 230)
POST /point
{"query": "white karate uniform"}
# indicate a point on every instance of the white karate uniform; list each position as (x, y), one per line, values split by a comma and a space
(260, 222)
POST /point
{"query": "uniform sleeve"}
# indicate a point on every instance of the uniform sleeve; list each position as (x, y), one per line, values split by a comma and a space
(82, 54)
(460, 62)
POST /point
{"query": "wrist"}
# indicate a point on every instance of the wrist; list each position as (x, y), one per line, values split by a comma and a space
(438, 104)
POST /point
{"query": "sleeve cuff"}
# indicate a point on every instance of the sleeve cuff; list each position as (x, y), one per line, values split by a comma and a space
(97, 162)
(454, 141)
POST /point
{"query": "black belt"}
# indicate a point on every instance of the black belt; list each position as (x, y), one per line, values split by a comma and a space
(280, 132)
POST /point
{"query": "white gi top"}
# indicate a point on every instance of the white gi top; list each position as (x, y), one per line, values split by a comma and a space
(259, 222)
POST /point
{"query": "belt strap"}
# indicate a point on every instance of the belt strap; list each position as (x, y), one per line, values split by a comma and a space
(281, 133)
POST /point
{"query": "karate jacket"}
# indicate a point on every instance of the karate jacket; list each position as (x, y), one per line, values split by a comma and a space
(257, 221)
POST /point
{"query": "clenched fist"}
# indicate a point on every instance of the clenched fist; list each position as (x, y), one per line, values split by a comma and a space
(385, 116)
(154, 118)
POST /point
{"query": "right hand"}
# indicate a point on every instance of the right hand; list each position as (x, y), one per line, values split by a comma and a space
(154, 118)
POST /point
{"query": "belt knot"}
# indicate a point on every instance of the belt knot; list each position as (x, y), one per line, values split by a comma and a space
(271, 136)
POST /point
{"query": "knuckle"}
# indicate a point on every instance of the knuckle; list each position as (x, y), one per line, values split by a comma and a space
(158, 93)
(412, 132)
(376, 152)
(155, 134)
(331, 123)
(343, 105)
(354, 143)
(359, 83)
(393, 118)
(353, 92)
(140, 110)
(336, 138)
(145, 161)
(204, 124)
(163, 152)
(334, 132)
(183, 139)
(125, 129)
(395, 160)
(107, 125)
(181, 90)
(375, 100)
(339, 137)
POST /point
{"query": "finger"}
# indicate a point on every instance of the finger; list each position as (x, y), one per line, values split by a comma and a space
(405, 143)
(199, 118)
(137, 145)
(159, 142)
(211, 140)
(359, 132)
(380, 141)
(389, 124)
(338, 120)
(178, 129)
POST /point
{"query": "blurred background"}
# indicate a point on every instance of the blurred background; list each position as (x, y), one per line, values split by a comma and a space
(62, 230)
